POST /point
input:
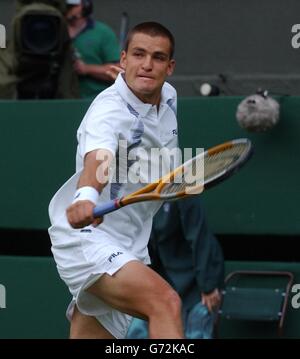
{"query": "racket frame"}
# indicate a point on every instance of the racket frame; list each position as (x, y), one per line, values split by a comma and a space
(152, 191)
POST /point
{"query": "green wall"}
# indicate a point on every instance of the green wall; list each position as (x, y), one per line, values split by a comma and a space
(38, 154)
(36, 300)
(264, 196)
(38, 145)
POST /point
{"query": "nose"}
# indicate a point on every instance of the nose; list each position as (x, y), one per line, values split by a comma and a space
(147, 64)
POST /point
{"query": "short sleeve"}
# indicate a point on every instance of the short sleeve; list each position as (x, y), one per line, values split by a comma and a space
(101, 128)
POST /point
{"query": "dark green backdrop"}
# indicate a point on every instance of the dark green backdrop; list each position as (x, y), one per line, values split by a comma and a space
(38, 147)
(37, 300)
(38, 144)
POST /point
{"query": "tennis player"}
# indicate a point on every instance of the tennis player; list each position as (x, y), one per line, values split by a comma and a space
(104, 265)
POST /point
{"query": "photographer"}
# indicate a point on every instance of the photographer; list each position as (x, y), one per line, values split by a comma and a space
(96, 48)
(38, 63)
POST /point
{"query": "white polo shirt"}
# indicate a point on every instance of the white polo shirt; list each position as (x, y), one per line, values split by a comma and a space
(117, 114)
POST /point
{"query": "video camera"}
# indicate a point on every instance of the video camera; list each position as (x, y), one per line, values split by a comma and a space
(42, 49)
(39, 27)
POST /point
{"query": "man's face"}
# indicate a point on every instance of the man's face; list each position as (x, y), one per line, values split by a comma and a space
(74, 13)
(147, 63)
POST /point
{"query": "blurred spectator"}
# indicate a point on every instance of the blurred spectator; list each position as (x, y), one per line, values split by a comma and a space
(96, 48)
(37, 63)
(185, 253)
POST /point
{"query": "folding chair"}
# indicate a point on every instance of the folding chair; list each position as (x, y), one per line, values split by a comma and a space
(255, 296)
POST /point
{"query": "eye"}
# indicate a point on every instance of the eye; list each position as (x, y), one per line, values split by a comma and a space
(160, 57)
(138, 54)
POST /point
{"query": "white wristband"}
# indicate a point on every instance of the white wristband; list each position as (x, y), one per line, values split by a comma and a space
(86, 193)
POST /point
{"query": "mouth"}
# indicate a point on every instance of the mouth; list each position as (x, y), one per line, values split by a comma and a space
(146, 77)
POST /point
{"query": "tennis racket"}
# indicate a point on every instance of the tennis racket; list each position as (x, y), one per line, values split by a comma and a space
(218, 162)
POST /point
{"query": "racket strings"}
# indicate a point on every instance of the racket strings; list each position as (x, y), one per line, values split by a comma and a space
(221, 161)
(202, 169)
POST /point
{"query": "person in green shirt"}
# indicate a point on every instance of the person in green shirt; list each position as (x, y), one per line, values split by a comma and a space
(96, 49)
(185, 253)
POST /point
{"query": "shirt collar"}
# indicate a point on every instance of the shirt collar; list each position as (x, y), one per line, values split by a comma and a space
(90, 23)
(141, 107)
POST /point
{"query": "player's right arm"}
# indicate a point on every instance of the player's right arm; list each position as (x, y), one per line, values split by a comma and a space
(95, 177)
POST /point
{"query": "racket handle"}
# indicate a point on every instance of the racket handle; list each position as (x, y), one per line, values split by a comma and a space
(105, 208)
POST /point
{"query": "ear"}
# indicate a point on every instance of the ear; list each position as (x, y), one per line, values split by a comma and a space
(171, 67)
(123, 59)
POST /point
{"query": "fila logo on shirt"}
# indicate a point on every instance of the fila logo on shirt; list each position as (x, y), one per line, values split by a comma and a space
(114, 255)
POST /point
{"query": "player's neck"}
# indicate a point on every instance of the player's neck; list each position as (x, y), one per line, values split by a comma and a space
(153, 99)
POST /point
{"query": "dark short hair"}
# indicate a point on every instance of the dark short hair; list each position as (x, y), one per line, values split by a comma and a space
(151, 28)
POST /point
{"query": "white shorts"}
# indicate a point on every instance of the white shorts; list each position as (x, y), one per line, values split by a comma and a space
(81, 261)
